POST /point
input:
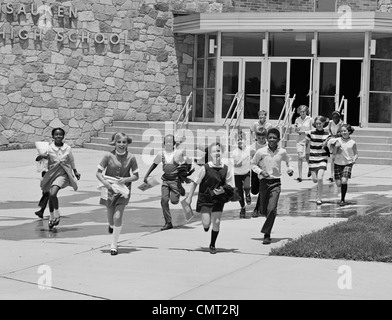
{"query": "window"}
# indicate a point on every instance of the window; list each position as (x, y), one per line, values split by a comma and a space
(343, 44)
(204, 98)
(293, 44)
(242, 44)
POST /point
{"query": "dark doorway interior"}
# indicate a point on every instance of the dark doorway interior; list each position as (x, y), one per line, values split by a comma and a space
(300, 83)
(350, 86)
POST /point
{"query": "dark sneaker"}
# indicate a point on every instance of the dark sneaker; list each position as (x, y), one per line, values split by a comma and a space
(267, 239)
(212, 250)
(167, 226)
(39, 214)
(242, 213)
(255, 214)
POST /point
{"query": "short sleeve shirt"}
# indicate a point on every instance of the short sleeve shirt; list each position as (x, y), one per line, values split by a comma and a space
(119, 166)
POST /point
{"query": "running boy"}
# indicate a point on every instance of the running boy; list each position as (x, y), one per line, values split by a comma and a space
(261, 141)
(171, 189)
(267, 164)
(241, 158)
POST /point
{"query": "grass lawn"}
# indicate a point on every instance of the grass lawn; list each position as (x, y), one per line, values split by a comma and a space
(364, 238)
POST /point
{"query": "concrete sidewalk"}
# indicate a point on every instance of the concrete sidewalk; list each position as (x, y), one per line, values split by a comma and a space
(74, 259)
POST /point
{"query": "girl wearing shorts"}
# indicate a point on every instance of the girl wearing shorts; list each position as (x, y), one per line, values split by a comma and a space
(61, 173)
(121, 165)
(212, 178)
(303, 125)
(346, 154)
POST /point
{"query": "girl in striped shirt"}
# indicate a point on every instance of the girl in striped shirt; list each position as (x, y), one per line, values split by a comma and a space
(318, 157)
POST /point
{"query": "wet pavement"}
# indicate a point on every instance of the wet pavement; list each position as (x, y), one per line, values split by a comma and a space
(180, 255)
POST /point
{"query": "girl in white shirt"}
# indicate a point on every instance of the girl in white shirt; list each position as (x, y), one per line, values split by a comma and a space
(346, 154)
(303, 125)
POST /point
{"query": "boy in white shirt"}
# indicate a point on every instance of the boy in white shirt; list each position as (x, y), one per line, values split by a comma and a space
(241, 158)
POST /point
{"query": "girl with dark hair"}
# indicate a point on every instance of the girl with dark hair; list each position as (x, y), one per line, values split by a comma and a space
(212, 179)
(334, 132)
(61, 173)
(121, 169)
(318, 157)
(346, 154)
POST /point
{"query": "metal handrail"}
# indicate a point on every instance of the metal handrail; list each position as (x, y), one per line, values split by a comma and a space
(289, 115)
(239, 108)
(288, 111)
(187, 109)
(284, 108)
(343, 106)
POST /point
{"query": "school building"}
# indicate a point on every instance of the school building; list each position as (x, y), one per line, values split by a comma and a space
(81, 65)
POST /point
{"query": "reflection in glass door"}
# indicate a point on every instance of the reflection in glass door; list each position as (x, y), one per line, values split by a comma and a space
(242, 75)
(230, 86)
(328, 98)
(278, 87)
(252, 84)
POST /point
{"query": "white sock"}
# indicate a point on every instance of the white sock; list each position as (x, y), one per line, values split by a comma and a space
(116, 235)
(51, 215)
(56, 213)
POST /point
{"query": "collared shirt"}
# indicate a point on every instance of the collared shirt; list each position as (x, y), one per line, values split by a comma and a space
(265, 125)
(118, 166)
(202, 172)
(60, 154)
(242, 156)
(304, 125)
(267, 160)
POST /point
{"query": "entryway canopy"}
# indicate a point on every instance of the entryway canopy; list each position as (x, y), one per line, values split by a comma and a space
(283, 21)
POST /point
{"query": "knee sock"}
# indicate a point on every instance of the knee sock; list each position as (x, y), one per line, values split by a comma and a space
(344, 191)
(214, 235)
(116, 235)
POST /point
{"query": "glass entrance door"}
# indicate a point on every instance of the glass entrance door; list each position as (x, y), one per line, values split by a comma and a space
(278, 86)
(327, 84)
(242, 75)
(335, 79)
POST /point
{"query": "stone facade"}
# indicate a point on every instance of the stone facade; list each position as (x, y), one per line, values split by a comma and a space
(80, 64)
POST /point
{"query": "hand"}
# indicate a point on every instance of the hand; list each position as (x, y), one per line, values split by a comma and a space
(219, 191)
(77, 175)
(145, 180)
(290, 172)
(238, 164)
(264, 174)
(121, 180)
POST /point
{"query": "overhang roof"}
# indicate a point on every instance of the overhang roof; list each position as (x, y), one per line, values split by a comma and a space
(283, 21)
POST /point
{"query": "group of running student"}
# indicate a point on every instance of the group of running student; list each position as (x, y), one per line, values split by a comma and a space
(257, 170)
(320, 139)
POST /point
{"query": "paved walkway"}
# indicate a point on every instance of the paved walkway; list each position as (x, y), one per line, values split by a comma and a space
(74, 259)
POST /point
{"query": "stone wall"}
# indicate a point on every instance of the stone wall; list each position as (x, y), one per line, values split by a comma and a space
(55, 72)
(84, 63)
(385, 5)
